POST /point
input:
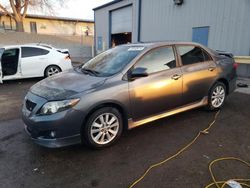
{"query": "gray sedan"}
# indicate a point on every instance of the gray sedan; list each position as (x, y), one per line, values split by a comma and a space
(126, 87)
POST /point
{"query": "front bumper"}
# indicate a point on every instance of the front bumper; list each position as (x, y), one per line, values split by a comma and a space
(56, 142)
(65, 125)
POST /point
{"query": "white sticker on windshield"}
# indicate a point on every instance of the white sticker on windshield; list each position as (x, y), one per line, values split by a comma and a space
(136, 48)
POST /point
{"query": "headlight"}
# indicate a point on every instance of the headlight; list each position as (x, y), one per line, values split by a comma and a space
(57, 106)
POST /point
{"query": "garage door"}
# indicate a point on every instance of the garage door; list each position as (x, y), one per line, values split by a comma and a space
(121, 20)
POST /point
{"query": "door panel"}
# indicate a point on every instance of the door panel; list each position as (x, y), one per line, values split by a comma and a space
(197, 80)
(33, 61)
(31, 66)
(161, 90)
(199, 72)
(155, 94)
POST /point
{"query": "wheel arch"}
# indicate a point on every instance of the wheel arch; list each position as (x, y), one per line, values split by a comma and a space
(114, 104)
(225, 82)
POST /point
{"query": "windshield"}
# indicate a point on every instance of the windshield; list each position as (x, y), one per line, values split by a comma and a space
(111, 61)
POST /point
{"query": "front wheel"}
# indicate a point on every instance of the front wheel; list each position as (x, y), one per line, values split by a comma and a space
(103, 128)
(217, 96)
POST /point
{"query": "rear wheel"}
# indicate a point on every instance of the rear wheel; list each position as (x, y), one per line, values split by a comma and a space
(217, 96)
(103, 128)
(52, 70)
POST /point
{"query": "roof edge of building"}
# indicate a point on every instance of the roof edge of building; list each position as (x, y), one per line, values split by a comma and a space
(54, 18)
(107, 4)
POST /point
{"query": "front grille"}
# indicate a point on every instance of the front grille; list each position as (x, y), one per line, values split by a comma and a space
(30, 105)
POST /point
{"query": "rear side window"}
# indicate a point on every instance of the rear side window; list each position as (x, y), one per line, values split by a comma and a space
(158, 59)
(192, 54)
(31, 51)
(206, 56)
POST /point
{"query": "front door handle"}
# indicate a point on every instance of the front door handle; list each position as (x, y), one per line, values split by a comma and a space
(211, 68)
(176, 77)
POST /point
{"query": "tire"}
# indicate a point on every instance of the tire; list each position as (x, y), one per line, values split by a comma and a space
(217, 96)
(100, 132)
(51, 70)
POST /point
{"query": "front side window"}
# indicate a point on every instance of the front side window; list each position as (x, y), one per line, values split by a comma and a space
(192, 55)
(9, 61)
(158, 59)
(10, 57)
(111, 61)
(31, 51)
(10, 53)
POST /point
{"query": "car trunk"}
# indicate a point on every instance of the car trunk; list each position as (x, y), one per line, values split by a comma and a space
(226, 59)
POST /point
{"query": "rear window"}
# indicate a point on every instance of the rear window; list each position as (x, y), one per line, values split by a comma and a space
(31, 52)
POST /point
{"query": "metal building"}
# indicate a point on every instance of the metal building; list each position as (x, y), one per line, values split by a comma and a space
(219, 24)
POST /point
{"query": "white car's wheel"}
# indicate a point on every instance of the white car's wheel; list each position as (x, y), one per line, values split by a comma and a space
(52, 70)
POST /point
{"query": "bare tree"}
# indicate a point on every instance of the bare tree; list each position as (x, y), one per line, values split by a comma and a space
(18, 9)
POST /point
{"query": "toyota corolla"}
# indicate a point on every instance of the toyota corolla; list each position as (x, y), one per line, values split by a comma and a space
(126, 87)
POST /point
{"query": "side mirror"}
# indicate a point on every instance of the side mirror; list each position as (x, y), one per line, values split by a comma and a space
(138, 73)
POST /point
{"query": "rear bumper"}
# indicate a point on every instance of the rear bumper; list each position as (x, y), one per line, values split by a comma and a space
(232, 85)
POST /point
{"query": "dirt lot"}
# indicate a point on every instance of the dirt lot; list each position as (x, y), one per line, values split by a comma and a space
(24, 164)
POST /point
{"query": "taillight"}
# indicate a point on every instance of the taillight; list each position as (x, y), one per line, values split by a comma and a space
(236, 65)
(67, 57)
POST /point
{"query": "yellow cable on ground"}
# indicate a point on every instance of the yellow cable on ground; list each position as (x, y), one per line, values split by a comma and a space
(216, 183)
(205, 131)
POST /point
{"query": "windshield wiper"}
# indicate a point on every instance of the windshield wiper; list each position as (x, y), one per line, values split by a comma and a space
(93, 72)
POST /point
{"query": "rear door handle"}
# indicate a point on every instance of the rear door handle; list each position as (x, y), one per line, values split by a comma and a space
(176, 77)
(211, 68)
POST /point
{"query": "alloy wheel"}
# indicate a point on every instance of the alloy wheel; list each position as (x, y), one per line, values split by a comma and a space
(104, 128)
(53, 70)
(218, 96)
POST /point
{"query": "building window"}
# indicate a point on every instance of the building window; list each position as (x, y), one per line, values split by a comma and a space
(200, 35)
(33, 28)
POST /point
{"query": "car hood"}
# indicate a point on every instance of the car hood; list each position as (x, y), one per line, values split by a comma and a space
(65, 85)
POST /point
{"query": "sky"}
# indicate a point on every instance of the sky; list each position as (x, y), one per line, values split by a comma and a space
(80, 8)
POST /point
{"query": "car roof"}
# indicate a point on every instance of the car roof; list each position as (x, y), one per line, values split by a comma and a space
(154, 44)
(151, 45)
(27, 45)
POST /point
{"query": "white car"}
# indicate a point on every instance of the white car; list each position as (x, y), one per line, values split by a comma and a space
(31, 60)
